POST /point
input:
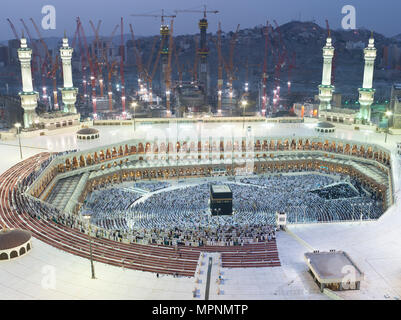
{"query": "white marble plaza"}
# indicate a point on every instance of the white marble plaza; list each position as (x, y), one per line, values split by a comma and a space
(374, 246)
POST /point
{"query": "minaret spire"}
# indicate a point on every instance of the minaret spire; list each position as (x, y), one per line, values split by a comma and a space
(28, 96)
(326, 88)
(366, 93)
(69, 93)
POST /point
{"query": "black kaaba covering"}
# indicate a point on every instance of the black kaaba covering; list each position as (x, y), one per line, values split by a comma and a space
(221, 200)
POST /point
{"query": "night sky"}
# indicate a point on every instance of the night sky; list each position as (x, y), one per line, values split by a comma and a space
(381, 16)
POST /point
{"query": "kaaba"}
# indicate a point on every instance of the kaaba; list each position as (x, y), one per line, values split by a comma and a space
(221, 200)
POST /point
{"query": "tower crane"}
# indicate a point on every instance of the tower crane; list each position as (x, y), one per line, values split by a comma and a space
(110, 67)
(162, 16)
(151, 54)
(231, 64)
(82, 56)
(138, 58)
(264, 75)
(92, 71)
(150, 79)
(122, 68)
(13, 29)
(168, 73)
(179, 67)
(203, 50)
(220, 70)
(164, 31)
(95, 55)
(195, 67)
(204, 11)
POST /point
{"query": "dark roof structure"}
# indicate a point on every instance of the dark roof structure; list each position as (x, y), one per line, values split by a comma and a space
(325, 125)
(10, 239)
(88, 131)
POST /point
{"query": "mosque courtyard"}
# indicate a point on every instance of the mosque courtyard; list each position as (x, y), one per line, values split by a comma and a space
(48, 273)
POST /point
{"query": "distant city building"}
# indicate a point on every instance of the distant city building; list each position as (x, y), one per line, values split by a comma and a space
(354, 45)
(3, 55)
(13, 46)
(340, 115)
(391, 57)
(130, 55)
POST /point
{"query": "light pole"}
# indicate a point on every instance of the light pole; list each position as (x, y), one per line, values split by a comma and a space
(388, 115)
(87, 218)
(244, 103)
(18, 126)
(134, 105)
(352, 205)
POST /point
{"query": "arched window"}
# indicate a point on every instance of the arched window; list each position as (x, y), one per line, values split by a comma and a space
(4, 256)
(13, 254)
(22, 251)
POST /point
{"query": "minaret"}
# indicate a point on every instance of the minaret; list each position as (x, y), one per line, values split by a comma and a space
(326, 88)
(366, 93)
(29, 98)
(68, 92)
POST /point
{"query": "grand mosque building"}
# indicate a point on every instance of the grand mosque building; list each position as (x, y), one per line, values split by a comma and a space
(117, 211)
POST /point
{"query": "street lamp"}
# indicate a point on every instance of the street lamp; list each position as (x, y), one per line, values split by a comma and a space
(244, 103)
(134, 105)
(87, 218)
(352, 205)
(388, 115)
(18, 126)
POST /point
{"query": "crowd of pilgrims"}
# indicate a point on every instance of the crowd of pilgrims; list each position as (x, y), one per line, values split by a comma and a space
(152, 186)
(183, 213)
(108, 206)
(41, 165)
(182, 216)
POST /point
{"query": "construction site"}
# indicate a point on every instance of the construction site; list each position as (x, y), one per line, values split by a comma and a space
(169, 77)
(269, 71)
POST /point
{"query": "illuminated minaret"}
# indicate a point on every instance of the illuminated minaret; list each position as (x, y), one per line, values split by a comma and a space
(366, 93)
(29, 98)
(68, 92)
(326, 88)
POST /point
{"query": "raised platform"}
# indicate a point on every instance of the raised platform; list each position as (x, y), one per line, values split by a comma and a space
(334, 270)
